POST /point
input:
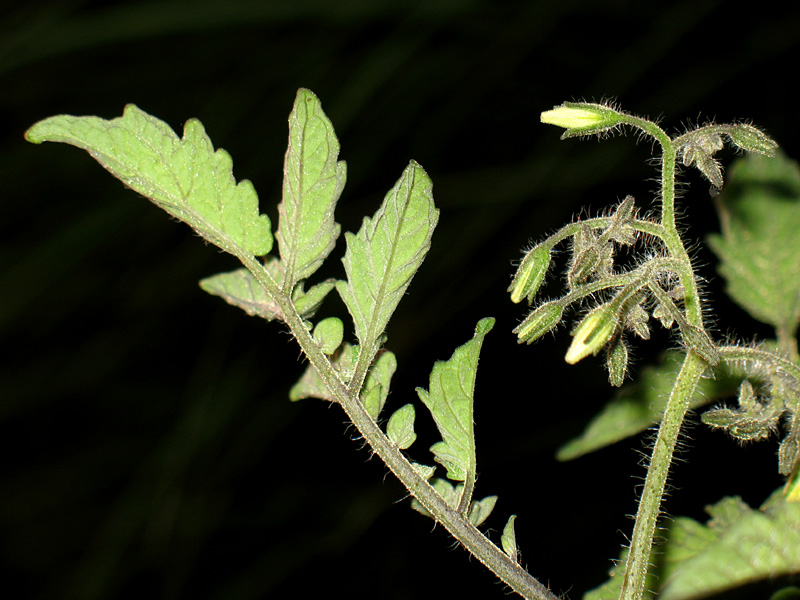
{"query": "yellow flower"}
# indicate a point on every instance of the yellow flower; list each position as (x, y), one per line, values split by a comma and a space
(592, 333)
(581, 118)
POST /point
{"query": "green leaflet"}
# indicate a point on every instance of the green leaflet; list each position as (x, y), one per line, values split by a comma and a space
(737, 546)
(312, 183)
(186, 177)
(240, 288)
(509, 539)
(450, 399)
(400, 428)
(479, 510)
(759, 245)
(376, 385)
(639, 405)
(382, 258)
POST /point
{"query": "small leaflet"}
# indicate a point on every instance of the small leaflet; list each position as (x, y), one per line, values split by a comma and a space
(185, 177)
(376, 385)
(509, 539)
(479, 510)
(400, 428)
(240, 288)
(328, 334)
(450, 399)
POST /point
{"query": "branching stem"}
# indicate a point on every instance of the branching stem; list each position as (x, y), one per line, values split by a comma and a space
(455, 521)
(633, 581)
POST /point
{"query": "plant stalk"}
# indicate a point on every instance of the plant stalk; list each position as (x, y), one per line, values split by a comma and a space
(633, 580)
(456, 522)
(634, 577)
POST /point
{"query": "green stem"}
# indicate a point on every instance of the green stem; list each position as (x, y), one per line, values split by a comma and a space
(456, 522)
(633, 580)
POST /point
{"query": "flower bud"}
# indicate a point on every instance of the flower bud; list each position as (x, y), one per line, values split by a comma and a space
(617, 363)
(748, 138)
(581, 118)
(530, 274)
(592, 333)
(539, 322)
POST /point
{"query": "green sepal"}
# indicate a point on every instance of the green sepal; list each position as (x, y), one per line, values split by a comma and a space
(185, 177)
(582, 118)
(400, 428)
(617, 363)
(698, 151)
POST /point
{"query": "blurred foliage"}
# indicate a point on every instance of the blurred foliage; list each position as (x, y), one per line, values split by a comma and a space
(124, 480)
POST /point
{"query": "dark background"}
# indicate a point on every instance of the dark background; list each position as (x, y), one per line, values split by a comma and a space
(149, 448)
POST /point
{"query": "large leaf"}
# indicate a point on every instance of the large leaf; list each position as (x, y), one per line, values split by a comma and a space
(186, 177)
(737, 546)
(382, 258)
(759, 246)
(639, 405)
(312, 183)
(450, 400)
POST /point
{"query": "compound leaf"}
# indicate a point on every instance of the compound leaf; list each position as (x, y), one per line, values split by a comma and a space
(450, 400)
(312, 183)
(758, 249)
(639, 405)
(737, 546)
(186, 177)
(382, 258)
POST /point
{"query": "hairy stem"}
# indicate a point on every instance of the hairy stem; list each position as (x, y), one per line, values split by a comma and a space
(455, 521)
(633, 580)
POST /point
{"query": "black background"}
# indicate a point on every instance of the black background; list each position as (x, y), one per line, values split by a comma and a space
(149, 448)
